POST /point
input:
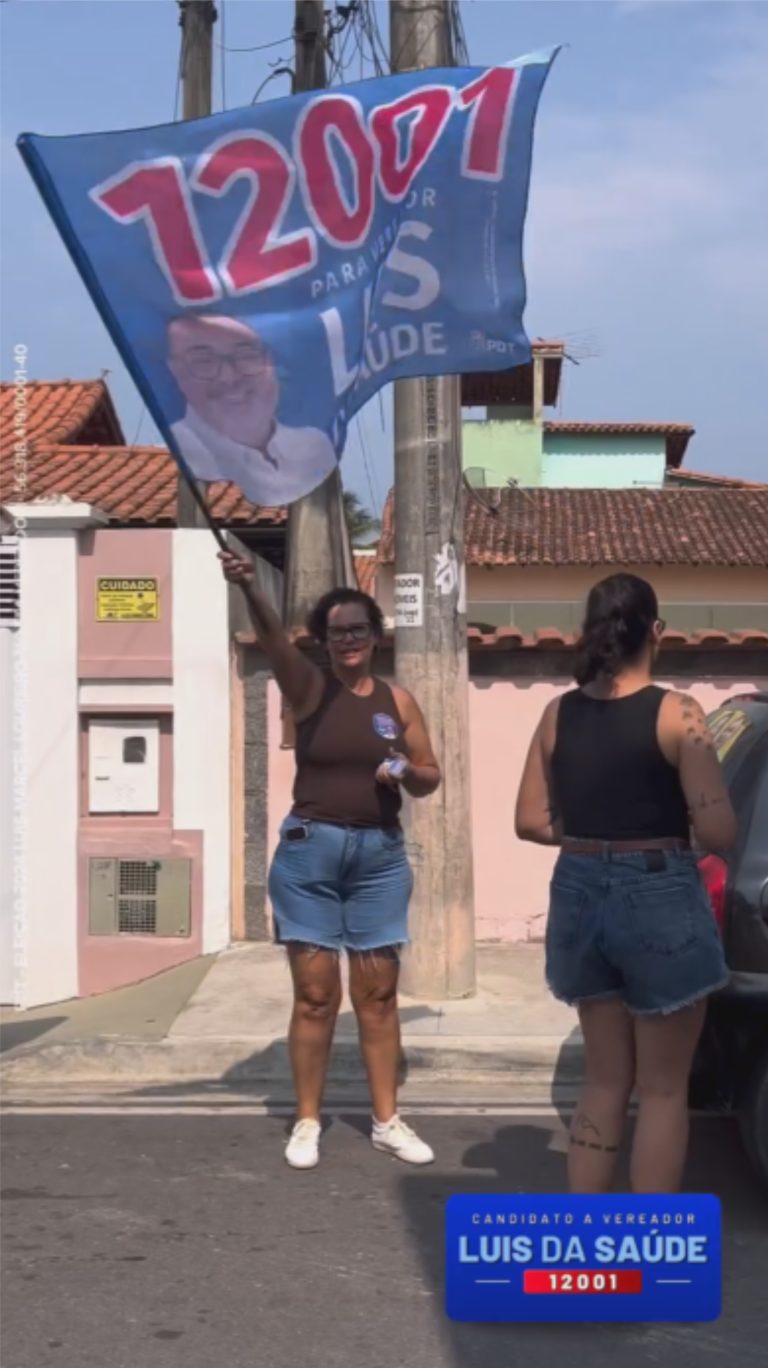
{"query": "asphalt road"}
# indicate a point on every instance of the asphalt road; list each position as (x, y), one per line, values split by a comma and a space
(184, 1240)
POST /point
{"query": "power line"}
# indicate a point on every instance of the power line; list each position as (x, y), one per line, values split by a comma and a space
(261, 47)
(278, 71)
(179, 72)
(223, 48)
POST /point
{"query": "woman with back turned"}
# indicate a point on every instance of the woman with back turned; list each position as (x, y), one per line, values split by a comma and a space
(340, 878)
(618, 773)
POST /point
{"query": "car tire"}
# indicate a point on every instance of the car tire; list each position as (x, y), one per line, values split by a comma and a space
(753, 1120)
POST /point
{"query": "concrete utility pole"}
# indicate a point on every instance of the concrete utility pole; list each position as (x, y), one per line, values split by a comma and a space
(430, 629)
(319, 556)
(196, 20)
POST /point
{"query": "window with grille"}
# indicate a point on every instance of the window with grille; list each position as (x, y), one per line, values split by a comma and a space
(10, 583)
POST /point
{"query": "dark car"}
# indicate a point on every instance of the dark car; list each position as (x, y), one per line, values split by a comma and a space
(731, 1072)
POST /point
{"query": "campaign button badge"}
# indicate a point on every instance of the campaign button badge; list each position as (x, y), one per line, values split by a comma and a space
(386, 726)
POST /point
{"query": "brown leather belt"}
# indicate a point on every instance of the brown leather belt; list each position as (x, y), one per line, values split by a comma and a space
(572, 846)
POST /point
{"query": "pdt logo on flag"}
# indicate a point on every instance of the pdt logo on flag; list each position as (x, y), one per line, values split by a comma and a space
(546, 1258)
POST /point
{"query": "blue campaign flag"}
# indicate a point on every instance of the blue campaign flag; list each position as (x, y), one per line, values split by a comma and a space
(575, 1259)
(265, 271)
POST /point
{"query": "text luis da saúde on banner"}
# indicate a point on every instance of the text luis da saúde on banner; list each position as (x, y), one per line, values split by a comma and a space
(551, 1258)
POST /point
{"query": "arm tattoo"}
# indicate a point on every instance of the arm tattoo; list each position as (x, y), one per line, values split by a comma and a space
(704, 801)
(696, 728)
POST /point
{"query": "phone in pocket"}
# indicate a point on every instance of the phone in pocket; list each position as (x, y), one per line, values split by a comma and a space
(299, 833)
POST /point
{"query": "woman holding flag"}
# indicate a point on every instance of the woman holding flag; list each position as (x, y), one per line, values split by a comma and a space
(340, 878)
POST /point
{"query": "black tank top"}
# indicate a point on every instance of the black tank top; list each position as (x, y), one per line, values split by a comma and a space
(611, 779)
(338, 751)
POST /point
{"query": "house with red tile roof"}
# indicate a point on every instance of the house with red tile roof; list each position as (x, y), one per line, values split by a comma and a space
(76, 448)
(113, 673)
(532, 555)
(508, 440)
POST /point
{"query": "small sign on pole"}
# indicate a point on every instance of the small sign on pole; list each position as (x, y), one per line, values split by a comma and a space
(409, 600)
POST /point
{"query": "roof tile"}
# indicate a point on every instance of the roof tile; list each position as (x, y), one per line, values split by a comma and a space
(134, 485)
(75, 446)
(57, 411)
(365, 568)
(548, 638)
(564, 527)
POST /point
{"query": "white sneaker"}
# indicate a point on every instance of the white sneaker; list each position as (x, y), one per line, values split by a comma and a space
(394, 1137)
(303, 1149)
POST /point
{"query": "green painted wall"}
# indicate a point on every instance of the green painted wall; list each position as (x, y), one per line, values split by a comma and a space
(609, 461)
(505, 448)
(510, 446)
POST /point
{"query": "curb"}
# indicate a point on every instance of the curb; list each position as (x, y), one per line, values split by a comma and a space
(528, 1059)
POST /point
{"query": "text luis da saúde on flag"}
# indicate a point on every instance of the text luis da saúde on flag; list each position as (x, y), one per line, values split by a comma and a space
(546, 1258)
(265, 271)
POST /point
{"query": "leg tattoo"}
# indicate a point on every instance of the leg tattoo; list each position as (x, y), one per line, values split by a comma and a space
(585, 1134)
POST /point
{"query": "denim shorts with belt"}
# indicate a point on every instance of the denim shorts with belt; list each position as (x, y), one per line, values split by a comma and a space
(340, 887)
(637, 926)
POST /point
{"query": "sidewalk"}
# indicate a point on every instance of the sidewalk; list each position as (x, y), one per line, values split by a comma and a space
(221, 1024)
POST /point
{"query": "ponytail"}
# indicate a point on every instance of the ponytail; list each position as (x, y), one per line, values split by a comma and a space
(620, 615)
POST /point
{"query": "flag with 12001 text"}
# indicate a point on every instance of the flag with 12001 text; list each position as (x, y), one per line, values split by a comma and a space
(263, 272)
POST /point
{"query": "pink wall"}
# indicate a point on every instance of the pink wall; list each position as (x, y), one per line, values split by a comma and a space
(511, 877)
(130, 652)
(125, 650)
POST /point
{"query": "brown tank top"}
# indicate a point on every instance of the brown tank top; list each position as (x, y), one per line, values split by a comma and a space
(338, 751)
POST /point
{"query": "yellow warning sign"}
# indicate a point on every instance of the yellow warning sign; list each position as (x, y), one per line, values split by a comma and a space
(127, 599)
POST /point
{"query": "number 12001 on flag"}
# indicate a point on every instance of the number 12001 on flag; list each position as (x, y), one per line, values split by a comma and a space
(542, 1281)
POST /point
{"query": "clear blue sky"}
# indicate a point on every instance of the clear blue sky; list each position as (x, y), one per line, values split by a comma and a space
(646, 244)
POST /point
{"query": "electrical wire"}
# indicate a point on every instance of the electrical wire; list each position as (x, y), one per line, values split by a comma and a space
(223, 47)
(346, 22)
(369, 26)
(278, 71)
(177, 96)
(261, 47)
(139, 425)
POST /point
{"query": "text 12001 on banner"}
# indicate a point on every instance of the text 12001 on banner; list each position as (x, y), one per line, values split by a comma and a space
(545, 1258)
(409, 600)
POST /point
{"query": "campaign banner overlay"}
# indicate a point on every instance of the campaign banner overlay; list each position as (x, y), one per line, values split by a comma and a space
(265, 271)
(545, 1259)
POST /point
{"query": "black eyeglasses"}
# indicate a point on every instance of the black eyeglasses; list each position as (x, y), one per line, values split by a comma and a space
(208, 365)
(359, 631)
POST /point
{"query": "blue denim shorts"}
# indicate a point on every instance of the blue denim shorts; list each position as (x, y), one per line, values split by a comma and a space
(341, 888)
(616, 929)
